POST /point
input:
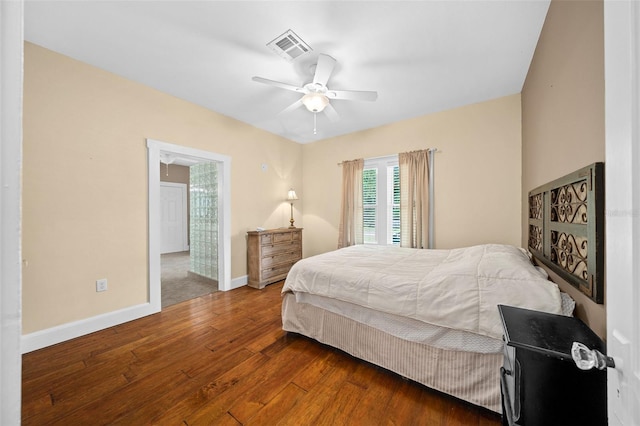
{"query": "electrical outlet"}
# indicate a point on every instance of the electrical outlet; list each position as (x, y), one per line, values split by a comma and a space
(101, 285)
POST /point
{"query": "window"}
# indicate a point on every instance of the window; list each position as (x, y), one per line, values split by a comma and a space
(381, 201)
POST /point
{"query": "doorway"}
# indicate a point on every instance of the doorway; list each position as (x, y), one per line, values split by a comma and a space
(189, 224)
(158, 151)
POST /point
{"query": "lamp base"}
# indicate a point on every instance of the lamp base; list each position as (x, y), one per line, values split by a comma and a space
(291, 220)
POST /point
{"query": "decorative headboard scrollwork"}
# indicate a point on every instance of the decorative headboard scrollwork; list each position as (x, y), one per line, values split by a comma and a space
(566, 228)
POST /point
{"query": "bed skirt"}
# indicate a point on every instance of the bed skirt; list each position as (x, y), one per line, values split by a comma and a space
(470, 376)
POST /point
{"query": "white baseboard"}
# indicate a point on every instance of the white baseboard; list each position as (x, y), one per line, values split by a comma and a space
(51, 336)
(43, 338)
(239, 282)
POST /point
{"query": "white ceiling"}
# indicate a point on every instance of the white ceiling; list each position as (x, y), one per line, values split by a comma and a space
(420, 56)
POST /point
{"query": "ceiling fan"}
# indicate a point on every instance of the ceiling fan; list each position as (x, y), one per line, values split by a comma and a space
(316, 95)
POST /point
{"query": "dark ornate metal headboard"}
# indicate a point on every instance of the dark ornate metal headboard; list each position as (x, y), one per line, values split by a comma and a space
(566, 228)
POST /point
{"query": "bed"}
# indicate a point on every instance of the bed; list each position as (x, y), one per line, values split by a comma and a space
(428, 315)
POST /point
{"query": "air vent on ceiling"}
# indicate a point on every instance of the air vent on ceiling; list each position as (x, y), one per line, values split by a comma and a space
(289, 46)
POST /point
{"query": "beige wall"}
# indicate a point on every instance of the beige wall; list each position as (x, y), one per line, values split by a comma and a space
(477, 173)
(85, 184)
(563, 111)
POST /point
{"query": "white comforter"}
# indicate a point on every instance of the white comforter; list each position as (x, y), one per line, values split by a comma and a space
(457, 288)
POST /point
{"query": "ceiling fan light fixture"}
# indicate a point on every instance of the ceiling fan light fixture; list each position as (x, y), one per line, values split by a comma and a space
(315, 102)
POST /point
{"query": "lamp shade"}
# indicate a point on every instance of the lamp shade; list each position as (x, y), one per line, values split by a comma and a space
(315, 102)
(291, 195)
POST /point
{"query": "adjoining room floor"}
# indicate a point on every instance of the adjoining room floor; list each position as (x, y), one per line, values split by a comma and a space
(177, 284)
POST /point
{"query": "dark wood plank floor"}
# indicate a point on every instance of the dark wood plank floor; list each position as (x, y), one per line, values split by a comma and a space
(222, 359)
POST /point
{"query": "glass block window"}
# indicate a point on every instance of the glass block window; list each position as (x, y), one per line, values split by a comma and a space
(203, 232)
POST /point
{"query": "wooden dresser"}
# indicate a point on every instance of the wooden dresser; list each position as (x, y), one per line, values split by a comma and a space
(271, 253)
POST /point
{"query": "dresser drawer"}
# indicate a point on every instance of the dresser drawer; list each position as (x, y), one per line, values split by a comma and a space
(266, 239)
(282, 257)
(279, 237)
(272, 249)
(278, 270)
(285, 237)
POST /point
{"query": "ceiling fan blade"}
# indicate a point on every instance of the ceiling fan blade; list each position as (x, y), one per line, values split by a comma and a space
(352, 95)
(331, 113)
(297, 104)
(279, 84)
(324, 68)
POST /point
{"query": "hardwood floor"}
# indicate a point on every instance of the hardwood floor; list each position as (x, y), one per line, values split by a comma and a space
(222, 359)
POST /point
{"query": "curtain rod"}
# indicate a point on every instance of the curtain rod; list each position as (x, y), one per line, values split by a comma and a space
(432, 150)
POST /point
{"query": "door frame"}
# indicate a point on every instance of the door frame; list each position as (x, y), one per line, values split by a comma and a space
(11, 93)
(154, 149)
(183, 202)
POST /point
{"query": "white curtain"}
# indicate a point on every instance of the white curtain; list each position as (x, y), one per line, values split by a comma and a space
(350, 231)
(414, 198)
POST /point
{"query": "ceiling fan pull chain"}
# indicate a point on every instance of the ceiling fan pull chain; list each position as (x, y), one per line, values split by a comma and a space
(167, 164)
(315, 115)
